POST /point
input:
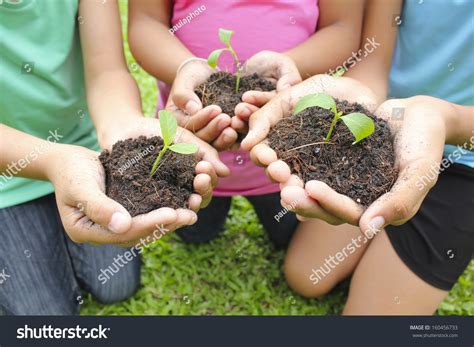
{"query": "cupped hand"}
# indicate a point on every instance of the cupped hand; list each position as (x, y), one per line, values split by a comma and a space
(276, 67)
(313, 199)
(88, 215)
(208, 123)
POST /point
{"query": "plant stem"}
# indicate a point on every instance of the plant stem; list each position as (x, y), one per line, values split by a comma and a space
(237, 82)
(333, 123)
(237, 65)
(157, 161)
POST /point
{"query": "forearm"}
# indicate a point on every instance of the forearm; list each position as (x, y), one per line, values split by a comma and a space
(25, 155)
(373, 69)
(320, 53)
(113, 99)
(147, 38)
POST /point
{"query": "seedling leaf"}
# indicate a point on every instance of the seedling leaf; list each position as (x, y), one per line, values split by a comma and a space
(322, 100)
(214, 57)
(168, 126)
(225, 35)
(360, 125)
(184, 148)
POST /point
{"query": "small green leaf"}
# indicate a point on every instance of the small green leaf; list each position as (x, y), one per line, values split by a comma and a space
(322, 100)
(184, 148)
(168, 126)
(360, 125)
(214, 57)
(225, 35)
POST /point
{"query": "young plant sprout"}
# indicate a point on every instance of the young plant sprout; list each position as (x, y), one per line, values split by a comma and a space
(360, 125)
(224, 36)
(169, 126)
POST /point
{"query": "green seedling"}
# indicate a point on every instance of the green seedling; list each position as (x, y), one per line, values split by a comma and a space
(360, 125)
(224, 36)
(169, 126)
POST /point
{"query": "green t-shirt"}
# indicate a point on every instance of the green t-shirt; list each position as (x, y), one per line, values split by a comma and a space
(42, 84)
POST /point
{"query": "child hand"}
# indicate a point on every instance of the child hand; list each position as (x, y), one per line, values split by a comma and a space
(209, 123)
(274, 66)
(88, 215)
(293, 189)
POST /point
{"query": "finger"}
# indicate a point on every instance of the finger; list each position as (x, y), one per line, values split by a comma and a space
(263, 155)
(244, 110)
(185, 217)
(289, 76)
(239, 125)
(404, 199)
(195, 202)
(225, 140)
(204, 167)
(263, 119)
(205, 151)
(199, 120)
(296, 199)
(279, 171)
(214, 128)
(92, 206)
(294, 180)
(202, 185)
(258, 98)
(338, 205)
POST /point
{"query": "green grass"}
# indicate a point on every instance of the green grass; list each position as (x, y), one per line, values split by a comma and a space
(239, 273)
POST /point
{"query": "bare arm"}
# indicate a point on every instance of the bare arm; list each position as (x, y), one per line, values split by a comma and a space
(374, 69)
(338, 35)
(148, 34)
(112, 93)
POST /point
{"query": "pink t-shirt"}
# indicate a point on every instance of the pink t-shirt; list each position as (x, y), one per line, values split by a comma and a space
(275, 25)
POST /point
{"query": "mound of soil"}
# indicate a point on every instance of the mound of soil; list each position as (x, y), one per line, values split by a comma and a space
(219, 90)
(128, 181)
(363, 171)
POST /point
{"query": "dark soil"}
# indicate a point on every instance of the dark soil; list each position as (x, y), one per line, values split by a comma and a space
(220, 90)
(363, 171)
(128, 181)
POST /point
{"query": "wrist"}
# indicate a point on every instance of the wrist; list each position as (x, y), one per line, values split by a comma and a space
(188, 61)
(108, 134)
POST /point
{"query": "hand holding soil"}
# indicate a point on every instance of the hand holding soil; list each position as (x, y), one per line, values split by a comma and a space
(88, 215)
(179, 182)
(210, 123)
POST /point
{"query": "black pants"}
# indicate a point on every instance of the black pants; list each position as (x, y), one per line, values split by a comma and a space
(211, 220)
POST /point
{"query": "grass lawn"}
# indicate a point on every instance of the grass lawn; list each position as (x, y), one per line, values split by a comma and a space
(239, 273)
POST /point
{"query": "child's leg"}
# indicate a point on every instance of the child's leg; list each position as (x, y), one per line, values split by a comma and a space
(382, 285)
(210, 222)
(409, 269)
(280, 228)
(309, 268)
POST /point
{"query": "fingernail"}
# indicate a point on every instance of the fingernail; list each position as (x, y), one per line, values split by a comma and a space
(192, 107)
(118, 223)
(377, 223)
(245, 111)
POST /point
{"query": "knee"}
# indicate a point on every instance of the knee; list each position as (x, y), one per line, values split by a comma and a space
(118, 287)
(300, 280)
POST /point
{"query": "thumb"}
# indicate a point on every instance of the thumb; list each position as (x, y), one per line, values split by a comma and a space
(104, 211)
(289, 76)
(183, 96)
(402, 202)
